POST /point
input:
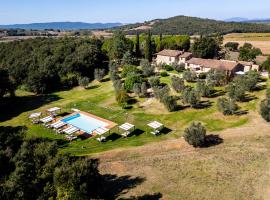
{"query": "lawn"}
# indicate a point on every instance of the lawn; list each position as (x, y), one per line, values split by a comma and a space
(99, 99)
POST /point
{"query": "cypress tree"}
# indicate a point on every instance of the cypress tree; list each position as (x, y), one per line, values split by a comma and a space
(148, 48)
(138, 53)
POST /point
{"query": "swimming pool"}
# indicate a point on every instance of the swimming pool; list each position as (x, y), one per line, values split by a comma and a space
(84, 122)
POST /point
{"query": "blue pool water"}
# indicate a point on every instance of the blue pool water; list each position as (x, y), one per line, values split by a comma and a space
(83, 122)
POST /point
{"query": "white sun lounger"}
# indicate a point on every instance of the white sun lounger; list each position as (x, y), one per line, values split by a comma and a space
(71, 130)
(67, 129)
(59, 125)
(47, 119)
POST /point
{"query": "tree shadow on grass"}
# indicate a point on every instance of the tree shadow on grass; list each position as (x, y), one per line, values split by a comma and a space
(165, 131)
(155, 196)
(217, 93)
(249, 97)
(260, 87)
(241, 112)
(203, 105)
(12, 107)
(112, 137)
(212, 140)
(115, 186)
(93, 87)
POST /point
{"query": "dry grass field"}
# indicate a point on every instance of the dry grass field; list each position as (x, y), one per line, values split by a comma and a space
(237, 169)
(259, 40)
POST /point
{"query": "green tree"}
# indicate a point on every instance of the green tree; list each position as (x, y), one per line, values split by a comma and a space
(178, 83)
(232, 46)
(216, 77)
(195, 134)
(248, 53)
(147, 68)
(84, 81)
(266, 64)
(143, 89)
(148, 47)
(227, 106)
(170, 103)
(205, 47)
(203, 88)
(131, 80)
(99, 74)
(129, 70)
(119, 46)
(128, 59)
(190, 76)
(154, 81)
(265, 107)
(122, 98)
(191, 96)
(137, 89)
(137, 46)
(236, 91)
(6, 86)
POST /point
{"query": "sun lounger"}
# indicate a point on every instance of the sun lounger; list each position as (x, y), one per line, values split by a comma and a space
(72, 130)
(59, 125)
(47, 119)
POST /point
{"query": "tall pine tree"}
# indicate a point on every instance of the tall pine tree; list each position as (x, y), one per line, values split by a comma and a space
(148, 47)
(138, 51)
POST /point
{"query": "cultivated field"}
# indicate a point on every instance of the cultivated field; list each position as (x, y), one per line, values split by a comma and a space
(259, 40)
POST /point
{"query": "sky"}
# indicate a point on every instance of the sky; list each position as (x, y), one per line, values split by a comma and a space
(126, 11)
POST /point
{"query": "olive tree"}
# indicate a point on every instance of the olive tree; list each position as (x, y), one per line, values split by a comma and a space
(99, 74)
(195, 134)
(203, 88)
(178, 83)
(265, 107)
(190, 76)
(191, 96)
(227, 106)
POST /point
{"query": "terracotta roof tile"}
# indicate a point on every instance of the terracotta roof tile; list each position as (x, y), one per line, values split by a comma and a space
(170, 53)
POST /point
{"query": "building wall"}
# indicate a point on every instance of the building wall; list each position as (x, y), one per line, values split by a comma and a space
(165, 60)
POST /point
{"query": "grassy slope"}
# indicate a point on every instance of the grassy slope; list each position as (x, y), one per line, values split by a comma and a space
(100, 101)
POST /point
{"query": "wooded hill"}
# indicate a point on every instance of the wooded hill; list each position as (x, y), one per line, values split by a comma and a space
(193, 26)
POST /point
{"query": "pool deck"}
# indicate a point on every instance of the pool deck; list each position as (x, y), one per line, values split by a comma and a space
(110, 125)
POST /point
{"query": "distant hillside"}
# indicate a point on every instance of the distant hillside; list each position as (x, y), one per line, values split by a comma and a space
(61, 26)
(192, 26)
(245, 20)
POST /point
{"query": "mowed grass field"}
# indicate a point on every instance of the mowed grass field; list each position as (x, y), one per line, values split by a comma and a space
(259, 40)
(164, 167)
(99, 100)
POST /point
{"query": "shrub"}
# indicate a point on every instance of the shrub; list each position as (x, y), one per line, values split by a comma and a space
(128, 70)
(147, 68)
(227, 106)
(99, 74)
(143, 89)
(122, 98)
(178, 83)
(189, 76)
(137, 88)
(84, 81)
(131, 80)
(154, 81)
(195, 134)
(164, 74)
(168, 68)
(179, 67)
(117, 84)
(170, 103)
(202, 76)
